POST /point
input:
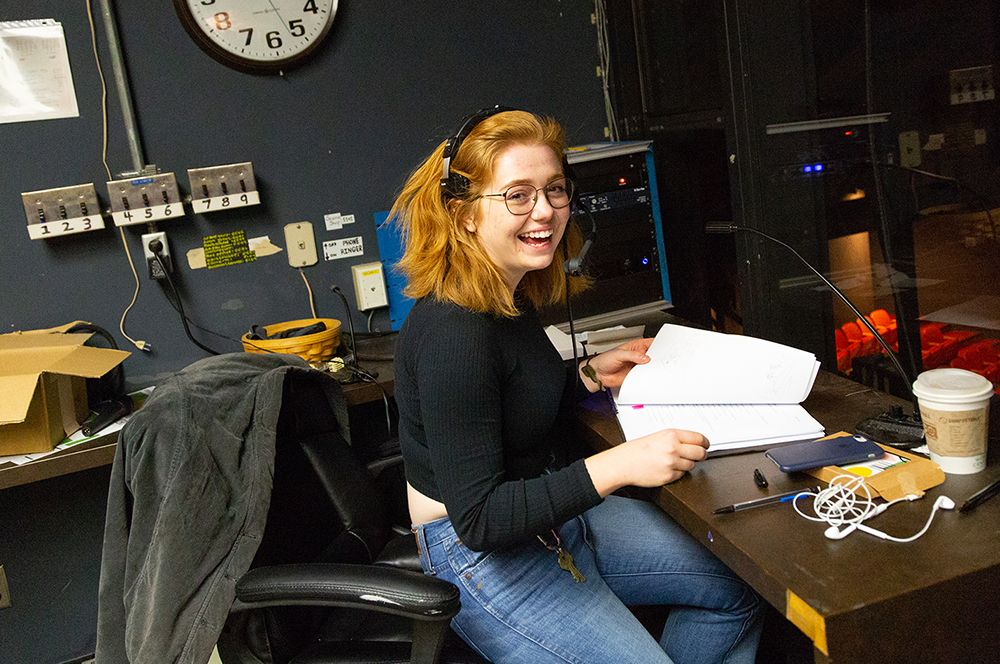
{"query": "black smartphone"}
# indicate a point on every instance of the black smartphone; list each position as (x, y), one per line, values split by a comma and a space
(835, 451)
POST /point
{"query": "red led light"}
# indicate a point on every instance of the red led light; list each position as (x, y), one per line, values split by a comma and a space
(848, 133)
(621, 180)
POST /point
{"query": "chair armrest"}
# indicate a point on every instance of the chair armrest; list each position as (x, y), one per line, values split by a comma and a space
(376, 588)
(401, 553)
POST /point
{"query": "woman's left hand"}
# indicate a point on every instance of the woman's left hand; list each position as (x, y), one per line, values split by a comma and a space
(613, 365)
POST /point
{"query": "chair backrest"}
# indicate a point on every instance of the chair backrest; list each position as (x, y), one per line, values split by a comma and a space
(324, 508)
(841, 339)
(850, 329)
(931, 334)
(881, 317)
(324, 503)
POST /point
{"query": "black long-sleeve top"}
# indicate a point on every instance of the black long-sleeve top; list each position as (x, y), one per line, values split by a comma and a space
(479, 397)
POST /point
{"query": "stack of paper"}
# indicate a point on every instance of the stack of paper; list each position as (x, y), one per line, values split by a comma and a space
(742, 393)
(593, 342)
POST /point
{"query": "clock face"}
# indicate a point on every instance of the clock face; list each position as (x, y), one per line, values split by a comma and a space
(257, 36)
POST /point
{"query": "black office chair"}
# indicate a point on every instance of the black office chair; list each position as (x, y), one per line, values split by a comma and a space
(333, 581)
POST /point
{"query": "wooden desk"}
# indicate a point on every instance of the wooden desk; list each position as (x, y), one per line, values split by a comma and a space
(860, 599)
(100, 451)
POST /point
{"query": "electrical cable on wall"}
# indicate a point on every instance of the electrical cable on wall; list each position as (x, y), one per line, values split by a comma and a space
(158, 254)
(138, 343)
(604, 53)
(312, 301)
(980, 198)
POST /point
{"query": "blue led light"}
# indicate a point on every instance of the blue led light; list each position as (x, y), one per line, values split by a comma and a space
(807, 169)
(645, 261)
(818, 167)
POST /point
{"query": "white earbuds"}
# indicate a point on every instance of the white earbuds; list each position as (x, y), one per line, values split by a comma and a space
(944, 502)
(835, 533)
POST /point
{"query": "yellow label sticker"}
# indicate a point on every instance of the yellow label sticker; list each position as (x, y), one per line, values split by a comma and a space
(807, 620)
(228, 249)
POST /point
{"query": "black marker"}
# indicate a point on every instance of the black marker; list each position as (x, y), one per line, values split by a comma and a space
(980, 496)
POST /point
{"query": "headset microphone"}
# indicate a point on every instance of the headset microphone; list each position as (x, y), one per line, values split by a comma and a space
(574, 266)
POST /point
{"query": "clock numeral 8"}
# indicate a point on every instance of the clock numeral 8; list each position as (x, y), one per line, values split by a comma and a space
(222, 21)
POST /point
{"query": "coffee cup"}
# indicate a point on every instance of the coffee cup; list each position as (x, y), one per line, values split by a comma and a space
(955, 406)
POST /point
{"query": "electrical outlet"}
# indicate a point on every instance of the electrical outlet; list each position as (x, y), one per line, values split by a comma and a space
(369, 286)
(153, 263)
(909, 149)
(4, 590)
(971, 85)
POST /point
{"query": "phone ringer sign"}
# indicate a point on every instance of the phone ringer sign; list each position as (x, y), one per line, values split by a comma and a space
(345, 248)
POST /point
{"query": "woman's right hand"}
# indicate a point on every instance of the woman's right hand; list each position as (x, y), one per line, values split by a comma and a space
(650, 461)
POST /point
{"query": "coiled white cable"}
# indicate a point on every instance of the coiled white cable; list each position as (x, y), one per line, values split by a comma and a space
(842, 504)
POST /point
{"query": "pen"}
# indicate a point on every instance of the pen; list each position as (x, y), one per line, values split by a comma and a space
(759, 479)
(980, 496)
(747, 504)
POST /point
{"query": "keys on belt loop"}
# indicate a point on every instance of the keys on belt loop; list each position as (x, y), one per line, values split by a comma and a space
(563, 556)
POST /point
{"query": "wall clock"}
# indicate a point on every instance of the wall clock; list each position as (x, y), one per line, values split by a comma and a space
(257, 36)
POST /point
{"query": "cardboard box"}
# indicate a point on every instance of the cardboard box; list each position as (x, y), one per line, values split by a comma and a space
(43, 388)
(913, 477)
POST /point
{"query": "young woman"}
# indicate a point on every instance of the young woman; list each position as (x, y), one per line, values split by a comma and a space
(545, 557)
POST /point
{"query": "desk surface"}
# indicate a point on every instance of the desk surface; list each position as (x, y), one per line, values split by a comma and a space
(859, 599)
(100, 450)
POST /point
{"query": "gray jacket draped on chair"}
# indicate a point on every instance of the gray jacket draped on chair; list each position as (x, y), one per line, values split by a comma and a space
(189, 495)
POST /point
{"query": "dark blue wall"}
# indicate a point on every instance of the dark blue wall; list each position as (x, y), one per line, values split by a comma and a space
(339, 134)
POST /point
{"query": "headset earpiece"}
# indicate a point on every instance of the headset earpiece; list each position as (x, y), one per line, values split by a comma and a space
(455, 185)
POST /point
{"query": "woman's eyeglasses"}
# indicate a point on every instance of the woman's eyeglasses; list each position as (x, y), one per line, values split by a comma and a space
(521, 198)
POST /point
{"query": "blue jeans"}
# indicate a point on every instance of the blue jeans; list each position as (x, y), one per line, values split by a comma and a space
(519, 605)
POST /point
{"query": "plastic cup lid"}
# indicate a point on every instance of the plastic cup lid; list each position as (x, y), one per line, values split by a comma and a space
(951, 386)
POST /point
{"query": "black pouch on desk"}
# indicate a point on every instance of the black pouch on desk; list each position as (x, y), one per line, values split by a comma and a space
(835, 451)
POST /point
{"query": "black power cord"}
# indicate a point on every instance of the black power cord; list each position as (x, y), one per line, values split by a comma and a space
(114, 403)
(352, 368)
(156, 247)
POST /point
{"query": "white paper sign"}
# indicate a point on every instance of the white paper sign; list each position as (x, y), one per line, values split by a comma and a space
(36, 81)
(336, 221)
(346, 248)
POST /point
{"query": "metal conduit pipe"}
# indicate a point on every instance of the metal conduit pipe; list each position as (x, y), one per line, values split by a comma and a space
(124, 96)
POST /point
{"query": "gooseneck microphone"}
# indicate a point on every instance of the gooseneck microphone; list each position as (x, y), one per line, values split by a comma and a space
(893, 428)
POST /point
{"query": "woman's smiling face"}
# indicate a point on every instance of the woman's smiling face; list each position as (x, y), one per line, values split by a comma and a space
(518, 244)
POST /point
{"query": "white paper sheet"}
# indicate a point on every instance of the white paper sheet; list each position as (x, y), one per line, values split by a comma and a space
(35, 79)
(693, 366)
(727, 426)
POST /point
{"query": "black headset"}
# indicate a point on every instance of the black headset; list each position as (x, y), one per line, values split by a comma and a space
(455, 185)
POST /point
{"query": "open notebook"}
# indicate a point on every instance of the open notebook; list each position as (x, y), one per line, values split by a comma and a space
(742, 393)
